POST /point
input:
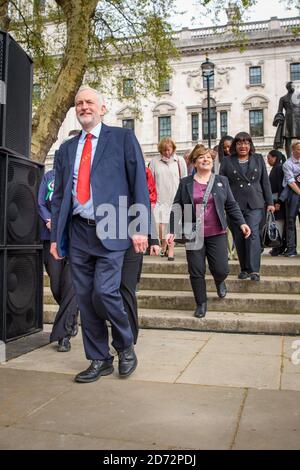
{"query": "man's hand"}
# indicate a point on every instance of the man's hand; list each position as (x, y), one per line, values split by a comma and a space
(270, 208)
(154, 250)
(170, 238)
(140, 243)
(54, 252)
(246, 230)
(48, 224)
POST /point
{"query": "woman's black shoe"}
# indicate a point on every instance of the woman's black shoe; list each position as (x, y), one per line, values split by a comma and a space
(243, 275)
(221, 289)
(200, 311)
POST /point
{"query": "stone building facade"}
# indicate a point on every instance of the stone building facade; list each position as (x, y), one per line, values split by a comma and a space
(245, 89)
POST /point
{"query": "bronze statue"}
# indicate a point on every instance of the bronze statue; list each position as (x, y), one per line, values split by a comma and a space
(287, 122)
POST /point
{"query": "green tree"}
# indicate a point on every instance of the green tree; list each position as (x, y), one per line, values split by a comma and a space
(98, 42)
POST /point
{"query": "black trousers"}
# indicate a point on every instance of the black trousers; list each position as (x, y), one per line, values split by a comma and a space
(63, 292)
(131, 271)
(249, 249)
(292, 208)
(215, 250)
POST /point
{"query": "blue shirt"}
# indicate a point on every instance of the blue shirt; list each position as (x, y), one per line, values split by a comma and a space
(86, 210)
(291, 169)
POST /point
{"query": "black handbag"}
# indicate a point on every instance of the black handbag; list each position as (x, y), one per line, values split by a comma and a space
(191, 237)
(270, 233)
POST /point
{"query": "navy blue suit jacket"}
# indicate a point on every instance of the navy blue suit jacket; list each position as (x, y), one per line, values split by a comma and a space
(118, 169)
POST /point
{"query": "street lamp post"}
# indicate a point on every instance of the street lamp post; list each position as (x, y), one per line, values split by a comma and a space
(208, 71)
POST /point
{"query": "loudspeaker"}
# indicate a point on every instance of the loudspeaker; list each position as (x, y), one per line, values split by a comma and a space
(16, 69)
(21, 252)
(19, 221)
(21, 292)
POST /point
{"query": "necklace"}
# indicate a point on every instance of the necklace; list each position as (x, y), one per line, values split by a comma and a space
(199, 179)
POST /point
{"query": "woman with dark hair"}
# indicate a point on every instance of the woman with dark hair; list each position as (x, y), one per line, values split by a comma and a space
(223, 151)
(276, 159)
(249, 182)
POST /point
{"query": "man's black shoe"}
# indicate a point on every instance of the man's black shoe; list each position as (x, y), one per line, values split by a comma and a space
(243, 275)
(74, 331)
(64, 345)
(95, 371)
(200, 311)
(255, 277)
(221, 289)
(127, 362)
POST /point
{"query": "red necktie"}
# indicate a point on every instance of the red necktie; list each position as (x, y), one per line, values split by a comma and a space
(83, 182)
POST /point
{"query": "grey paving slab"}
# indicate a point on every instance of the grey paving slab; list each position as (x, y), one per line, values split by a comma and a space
(162, 355)
(164, 415)
(16, 438)
(290, 381)
(270, 420)
(23, 393)
(162, 358)
(173, 334)
(244, 344)
(47, 359)
(233, 370)
(291, 364)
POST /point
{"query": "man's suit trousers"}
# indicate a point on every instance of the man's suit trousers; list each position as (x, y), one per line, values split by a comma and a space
(96, 274)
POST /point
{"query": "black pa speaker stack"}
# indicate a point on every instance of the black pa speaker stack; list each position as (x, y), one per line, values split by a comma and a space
(21, 260)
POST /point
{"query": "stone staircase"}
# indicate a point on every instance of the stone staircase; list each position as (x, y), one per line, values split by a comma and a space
(165, 298)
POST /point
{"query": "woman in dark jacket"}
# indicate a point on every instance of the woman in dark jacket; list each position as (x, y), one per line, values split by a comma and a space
(276, 159)
(208, 223)
(249, 182)
(223, 151)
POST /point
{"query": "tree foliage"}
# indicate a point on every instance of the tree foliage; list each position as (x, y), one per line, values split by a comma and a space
(91, 41)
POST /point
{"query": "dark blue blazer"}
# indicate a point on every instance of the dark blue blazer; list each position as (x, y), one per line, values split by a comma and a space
(118, 170)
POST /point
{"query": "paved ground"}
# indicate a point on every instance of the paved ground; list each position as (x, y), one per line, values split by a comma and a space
(192, 390)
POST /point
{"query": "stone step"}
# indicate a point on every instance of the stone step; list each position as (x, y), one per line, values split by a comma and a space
(234, 302)
(177, 282)
(276, 267)
(181, 282)
(237, 322)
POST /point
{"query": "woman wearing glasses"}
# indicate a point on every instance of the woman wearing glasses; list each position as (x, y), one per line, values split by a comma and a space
(249, 182)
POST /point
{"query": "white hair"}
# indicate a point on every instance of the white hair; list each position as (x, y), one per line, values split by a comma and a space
(100, 98)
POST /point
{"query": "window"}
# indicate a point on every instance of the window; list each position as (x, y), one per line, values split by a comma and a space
(164, 127)
(223, 123)
(256, 123)
(128, 87)
(211, 82)
(128, 124)
(213, 123)
(164, 85)
(255, 75)
(295, 71)
(195, 126)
